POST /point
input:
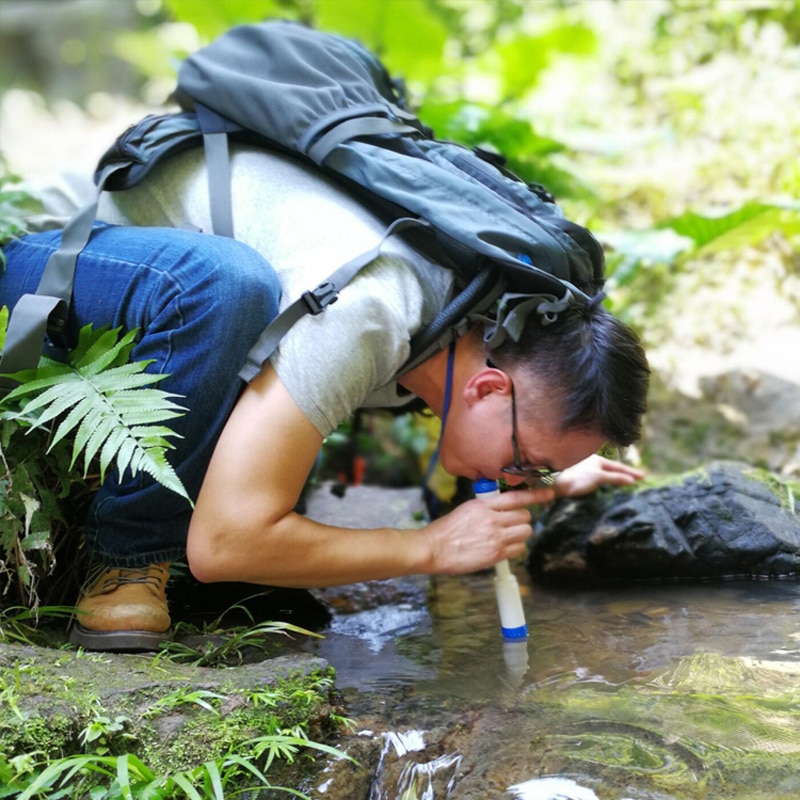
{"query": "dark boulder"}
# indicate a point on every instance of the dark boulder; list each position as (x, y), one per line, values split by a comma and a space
(726, 520)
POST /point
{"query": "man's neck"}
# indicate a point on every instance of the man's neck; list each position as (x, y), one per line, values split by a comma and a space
(428, 381)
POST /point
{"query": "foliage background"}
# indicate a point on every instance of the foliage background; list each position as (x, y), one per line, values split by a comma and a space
(669, 127)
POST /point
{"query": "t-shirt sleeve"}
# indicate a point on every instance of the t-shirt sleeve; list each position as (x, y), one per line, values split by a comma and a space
(347, 356)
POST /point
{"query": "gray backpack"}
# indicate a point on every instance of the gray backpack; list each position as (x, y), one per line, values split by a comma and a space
(330, 102)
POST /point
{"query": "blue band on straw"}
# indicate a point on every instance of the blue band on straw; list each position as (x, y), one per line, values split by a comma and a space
(515, 633)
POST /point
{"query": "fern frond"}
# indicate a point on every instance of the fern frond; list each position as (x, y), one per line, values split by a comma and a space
(152, 407)
(129, 376)
(106, 403)
(33, 381)
(153, 461)
(52, 403)
(101, 426)
(83, 418)
(71, 421)
(100, 350)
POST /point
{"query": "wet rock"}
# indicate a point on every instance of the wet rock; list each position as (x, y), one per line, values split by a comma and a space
(727, 520)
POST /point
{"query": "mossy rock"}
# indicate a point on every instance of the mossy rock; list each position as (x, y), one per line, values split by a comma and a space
(724, 520)
(713, 727)
(172, 716)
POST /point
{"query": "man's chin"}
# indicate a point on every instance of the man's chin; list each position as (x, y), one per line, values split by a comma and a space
(450, 468)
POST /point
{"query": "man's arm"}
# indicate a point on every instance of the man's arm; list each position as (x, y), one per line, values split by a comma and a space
(244, 527)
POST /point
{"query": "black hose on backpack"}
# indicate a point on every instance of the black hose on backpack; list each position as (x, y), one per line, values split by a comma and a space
(478, 295)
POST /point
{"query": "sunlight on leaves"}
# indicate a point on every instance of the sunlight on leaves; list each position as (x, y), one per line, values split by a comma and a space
(404, 33)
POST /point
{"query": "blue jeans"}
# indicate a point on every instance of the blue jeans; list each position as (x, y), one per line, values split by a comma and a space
(199, 303)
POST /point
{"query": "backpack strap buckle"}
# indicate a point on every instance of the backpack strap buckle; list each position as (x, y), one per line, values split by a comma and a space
(317, 300)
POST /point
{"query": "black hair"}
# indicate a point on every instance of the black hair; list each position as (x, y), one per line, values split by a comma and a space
(593, 361)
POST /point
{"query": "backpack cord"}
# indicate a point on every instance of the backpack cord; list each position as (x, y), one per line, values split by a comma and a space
(431, 500)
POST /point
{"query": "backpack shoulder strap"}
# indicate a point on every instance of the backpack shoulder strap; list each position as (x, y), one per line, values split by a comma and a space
(36, 315)
(215, 130)
(124, 164)
(315, 301)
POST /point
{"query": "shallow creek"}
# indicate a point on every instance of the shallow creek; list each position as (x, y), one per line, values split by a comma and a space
(652, 693)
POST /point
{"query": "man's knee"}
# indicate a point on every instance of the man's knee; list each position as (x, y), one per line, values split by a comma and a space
(245, 276)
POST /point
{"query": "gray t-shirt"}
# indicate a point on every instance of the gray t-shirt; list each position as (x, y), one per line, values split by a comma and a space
(306, 227)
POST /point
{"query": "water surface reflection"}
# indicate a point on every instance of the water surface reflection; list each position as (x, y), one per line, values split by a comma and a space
(676, 691)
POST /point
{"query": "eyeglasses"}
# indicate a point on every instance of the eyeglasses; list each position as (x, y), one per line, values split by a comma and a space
(534, 476)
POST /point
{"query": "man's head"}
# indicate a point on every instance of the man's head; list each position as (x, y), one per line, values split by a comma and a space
(590, 363)
(549, 400)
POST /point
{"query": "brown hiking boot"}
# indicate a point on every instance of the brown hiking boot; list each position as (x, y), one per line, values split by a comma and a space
(123, 609)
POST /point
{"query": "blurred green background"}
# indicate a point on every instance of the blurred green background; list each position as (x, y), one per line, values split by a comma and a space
(669, 127)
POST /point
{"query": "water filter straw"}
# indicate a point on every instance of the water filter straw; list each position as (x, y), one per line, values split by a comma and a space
(509, 600)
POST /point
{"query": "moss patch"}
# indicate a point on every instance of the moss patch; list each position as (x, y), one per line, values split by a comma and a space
(169, 715)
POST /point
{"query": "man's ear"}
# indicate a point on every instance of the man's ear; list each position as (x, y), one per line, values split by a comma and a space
(486, 382)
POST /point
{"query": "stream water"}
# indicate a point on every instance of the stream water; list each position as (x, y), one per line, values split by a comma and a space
(653, 693)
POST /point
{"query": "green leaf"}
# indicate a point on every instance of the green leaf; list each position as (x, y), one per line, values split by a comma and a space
(746, 226)
(405, 34)
(522, 60)
(129, 376)
(185, 784)
(100, 400)
(69, 423)
(95, 427)
(54, 402)
(211, 19)
(85, 413)
(101, 349)
(32, 381)
(212, 773)
(3, 323)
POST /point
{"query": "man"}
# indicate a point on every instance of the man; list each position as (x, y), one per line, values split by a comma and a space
(522, 412)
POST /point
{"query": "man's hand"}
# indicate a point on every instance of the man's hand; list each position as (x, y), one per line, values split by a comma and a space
(480, 532)
(592, 473)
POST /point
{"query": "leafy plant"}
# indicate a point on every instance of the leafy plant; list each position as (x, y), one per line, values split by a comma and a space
(19, 623)
(693, 235)
(15, 205)
(98, 396)
(102, 731)
(98, 406)
(32, 490)
(126, 777)
(102, 774)
(184, 696)
(228, 647)
(102, 771)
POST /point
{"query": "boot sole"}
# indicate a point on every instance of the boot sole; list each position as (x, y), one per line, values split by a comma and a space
(118, 641)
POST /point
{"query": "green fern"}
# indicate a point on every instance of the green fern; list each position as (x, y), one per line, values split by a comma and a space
(99, 397)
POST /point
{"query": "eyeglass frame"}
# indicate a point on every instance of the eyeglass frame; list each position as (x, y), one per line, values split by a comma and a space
(534, 476)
